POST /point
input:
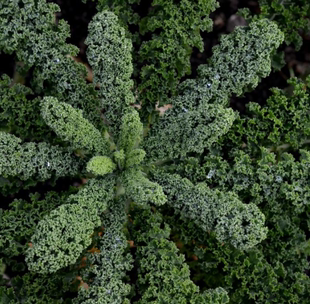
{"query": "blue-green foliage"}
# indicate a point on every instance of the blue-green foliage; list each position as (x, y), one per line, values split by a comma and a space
(109, 266)
(274, 271)
(257, 180)
(141, 189)
(41, 160)
(34, 288)
(292, 17)
(64, 233)
(201, 106)
(242, 58)
(283, 123)
(70, 125)
(212, 210)
(20, 113)
(68, 229)
(19, 222)
(248, 276)
(40, 44)
(182, 131)
(163, 276)
(17, 225)
(71, 224)
(175, 29)
(183, 185)
(109, 54)
(165, 41)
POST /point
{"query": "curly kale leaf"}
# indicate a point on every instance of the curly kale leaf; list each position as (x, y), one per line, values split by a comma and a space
(32, 160)
(275, 269)
(18, 223)
(62, 235)
(131, 131)
(182, 131)
(163, 275)
(135, 157)
(64, 79)
(70, 125)
(284, 122)
(198, 117)
(100, 165)
(20, 112)
(35, 31)
(97, 192)
(123, 9)
(105, 279)
(175, 29)
(33, 288)
(291, 16)
(239, 61)
(109, 54)
(240, 224)
(28, 28)
(141, 190)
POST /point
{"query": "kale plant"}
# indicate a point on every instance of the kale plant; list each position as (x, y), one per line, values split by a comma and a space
(147, 178)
